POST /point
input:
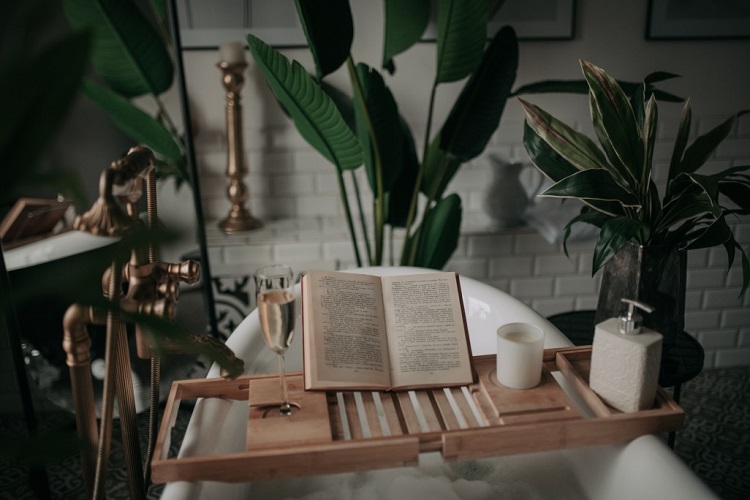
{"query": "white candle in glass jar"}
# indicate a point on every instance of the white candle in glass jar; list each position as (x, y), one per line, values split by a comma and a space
(520, 350)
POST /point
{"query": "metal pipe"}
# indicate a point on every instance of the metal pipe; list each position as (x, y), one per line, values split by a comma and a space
(153, 255)
(126, 405)
(77, 344)
(105, 431)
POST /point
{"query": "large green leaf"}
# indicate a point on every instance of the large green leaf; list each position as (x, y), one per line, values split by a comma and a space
(329, 32)
(557, 168)
(586, 215)
(552, 86)
(638, 101)
(478, 109)
(344, 103)
(384, 122)
(137, 124)
(546, 159)
(128, 53)
(461, 36)
(680, 143)
(745, 267)
(659, 76)
(438, 168)
(707, 183)
(614, 121)
(592, 184)
(734, 173)
(399, 193)
(689, 206)
(159, 8)
(650, 122)
(572, 145)
(439, 232)
(315, 115)
(613, 236)
(581, 87)
(649, 81)
(738, 192)
(716, 233)
(35, 96)
(740, 196)
(703, 146)
(398, 196)
(405, 22)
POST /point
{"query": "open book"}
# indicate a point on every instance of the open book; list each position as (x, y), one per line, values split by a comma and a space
(363, 332)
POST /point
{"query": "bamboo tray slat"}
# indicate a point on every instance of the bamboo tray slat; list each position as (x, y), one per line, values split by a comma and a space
(349, 431)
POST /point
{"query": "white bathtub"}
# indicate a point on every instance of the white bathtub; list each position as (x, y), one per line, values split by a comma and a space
(642, 469)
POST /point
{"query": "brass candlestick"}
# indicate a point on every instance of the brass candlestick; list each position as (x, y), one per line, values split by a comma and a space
(239, 217)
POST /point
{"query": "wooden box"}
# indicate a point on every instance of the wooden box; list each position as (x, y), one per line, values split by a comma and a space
(348, 431)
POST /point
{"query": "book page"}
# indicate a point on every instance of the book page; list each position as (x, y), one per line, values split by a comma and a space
(427, 335)
(346, 318)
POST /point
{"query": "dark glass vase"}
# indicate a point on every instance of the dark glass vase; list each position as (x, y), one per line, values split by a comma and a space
(654, 275)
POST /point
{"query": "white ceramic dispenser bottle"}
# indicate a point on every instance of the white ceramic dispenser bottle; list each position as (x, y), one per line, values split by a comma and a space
(625, 360)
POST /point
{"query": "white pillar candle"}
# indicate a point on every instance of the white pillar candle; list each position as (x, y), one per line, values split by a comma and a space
(520, 349)
(232, 52)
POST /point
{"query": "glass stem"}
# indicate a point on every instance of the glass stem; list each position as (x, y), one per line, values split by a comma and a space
(285, 408)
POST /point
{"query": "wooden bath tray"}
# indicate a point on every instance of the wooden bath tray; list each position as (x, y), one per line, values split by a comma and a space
(349, 431)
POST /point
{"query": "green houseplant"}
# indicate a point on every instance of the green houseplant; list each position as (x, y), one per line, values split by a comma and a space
(409, 189)
(401, 183)
(131, 56)
(615, 181)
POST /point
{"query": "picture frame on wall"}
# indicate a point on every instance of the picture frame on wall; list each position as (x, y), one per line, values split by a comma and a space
(209, 24)
(537, 19)
(531, 20)
(698, 19)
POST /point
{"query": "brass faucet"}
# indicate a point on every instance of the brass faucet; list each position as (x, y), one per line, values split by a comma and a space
(141, 286)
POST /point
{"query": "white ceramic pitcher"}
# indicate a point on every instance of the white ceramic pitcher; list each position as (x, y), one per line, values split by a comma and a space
(507, 200)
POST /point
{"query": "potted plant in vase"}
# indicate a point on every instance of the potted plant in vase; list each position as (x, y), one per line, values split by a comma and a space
(643, 238)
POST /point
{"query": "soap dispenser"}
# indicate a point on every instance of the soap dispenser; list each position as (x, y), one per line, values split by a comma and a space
(625, 360)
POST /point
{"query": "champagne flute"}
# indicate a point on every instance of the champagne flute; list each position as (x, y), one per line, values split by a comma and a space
(274, 286)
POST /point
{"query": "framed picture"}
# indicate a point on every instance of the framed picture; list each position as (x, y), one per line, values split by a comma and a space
(531, 19)
(537, 19)
(698, 19)
(207, 24)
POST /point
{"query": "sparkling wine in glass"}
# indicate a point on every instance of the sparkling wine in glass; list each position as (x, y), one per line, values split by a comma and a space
(275, 292)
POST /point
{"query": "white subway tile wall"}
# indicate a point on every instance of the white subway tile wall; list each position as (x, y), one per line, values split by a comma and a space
(295, 191)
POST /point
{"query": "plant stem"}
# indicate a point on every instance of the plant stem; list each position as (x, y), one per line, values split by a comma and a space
(348, 213)
(166, 120)
(391, 259)
(409, 259)
(379, 205)
(362, 220)
(169, 123)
